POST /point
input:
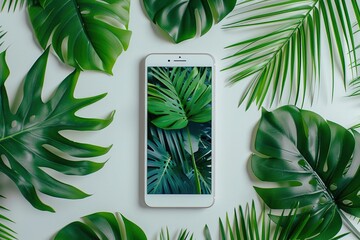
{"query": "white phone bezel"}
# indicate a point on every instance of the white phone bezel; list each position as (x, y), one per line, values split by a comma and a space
(181, 200)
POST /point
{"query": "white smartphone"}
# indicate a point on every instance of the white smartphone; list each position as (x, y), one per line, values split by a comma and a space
(179, 132)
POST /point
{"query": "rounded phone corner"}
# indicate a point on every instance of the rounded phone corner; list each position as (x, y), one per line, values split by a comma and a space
(212, 202)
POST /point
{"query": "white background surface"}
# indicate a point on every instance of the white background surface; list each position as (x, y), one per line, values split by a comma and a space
(118, 186)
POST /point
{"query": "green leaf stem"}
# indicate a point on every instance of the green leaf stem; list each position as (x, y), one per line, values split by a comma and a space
(30, 138)
(2, 34)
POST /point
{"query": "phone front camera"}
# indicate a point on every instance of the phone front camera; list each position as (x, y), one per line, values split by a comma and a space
(168, 60)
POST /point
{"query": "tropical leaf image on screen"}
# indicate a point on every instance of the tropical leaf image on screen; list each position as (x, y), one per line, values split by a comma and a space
(179, 130)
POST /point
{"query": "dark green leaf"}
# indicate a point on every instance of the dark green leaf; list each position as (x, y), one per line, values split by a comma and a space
(314, 163)
(184, 234)
(30, 139)
(183, 20)
(85, 34)
(101, 226)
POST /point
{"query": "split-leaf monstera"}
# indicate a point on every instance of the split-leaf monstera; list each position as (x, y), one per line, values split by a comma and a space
(30, 138)
(316, 164)
(183, 96)
(85, 34)
(184, 19)
(101, 226)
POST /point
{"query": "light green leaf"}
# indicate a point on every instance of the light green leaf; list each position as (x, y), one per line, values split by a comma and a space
(179, 95)
(288, 54)
(184, 19)
(31, 142)
(101, 226)
(85, 34)
(313, 162)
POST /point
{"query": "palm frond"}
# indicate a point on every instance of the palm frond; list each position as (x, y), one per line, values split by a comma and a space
(2, 34)
(5, 231)
(288, 54)
(245, 225)
(355, 83)
(184, 234)
(248, 224)
(13, 4)
(207, 233)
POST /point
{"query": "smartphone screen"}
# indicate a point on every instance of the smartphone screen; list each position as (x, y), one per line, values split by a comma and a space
(179, 132)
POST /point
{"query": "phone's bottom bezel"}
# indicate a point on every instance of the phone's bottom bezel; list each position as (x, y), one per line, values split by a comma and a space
(179, 201)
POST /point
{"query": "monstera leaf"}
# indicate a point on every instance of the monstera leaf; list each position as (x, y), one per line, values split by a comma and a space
(179, 95)
(184, 19)
(85, 34)
(315, 163)
(30, 138)
(101, 226)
